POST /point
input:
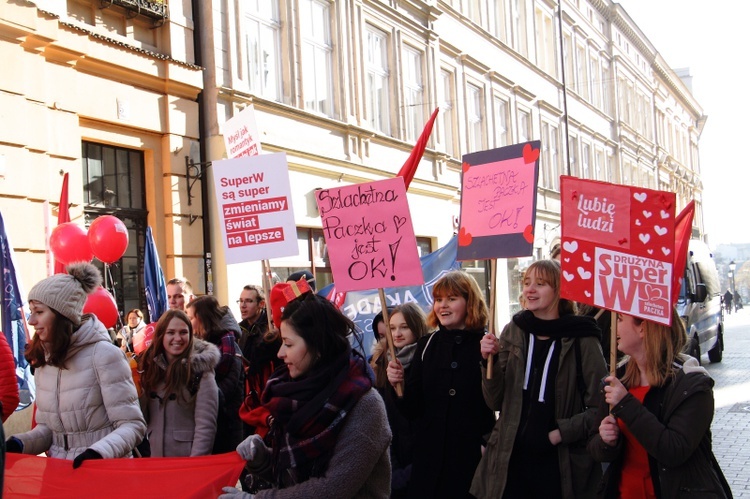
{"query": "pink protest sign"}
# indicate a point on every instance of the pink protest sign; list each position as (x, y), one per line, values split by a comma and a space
(369, 235)
(617, 247)
(498, 202)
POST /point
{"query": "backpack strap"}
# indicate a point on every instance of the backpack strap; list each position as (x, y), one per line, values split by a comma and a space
(428, 344)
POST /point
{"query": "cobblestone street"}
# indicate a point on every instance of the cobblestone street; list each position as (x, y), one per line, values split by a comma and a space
(731, 425)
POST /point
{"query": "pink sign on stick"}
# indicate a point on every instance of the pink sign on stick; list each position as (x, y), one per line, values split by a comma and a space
(369, 235)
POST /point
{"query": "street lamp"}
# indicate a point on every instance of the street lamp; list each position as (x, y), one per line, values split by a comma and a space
(732, 267)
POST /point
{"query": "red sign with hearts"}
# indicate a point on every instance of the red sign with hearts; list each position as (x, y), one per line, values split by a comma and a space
(498, 202)
(617, 247)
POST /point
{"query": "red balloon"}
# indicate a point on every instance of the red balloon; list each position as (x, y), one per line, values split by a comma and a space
(108, 238)
(102, 304)
(70, 243)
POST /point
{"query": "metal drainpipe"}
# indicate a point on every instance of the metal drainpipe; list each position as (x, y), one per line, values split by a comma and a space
(198, 50)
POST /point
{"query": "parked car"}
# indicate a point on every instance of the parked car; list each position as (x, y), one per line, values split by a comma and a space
(700, 304)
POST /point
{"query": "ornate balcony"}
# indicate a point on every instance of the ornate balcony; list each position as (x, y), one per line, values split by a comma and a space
(158, 10)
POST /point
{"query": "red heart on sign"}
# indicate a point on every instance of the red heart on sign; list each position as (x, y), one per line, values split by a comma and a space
(528, 234)
(464, 237)
(465, 166)
(530, 155)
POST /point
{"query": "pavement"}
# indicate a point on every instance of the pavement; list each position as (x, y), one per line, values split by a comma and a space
(731, 424)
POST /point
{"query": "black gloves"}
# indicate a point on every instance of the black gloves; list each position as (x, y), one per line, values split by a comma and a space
(87, 454)
(14, 446)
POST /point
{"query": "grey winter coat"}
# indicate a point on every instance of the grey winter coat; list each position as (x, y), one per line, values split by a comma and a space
(579, 475)
(360, 466)
(674, 426)
(184, 424)
(91, 404)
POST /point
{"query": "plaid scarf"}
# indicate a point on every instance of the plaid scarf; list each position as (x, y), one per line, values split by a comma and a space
(308, 414)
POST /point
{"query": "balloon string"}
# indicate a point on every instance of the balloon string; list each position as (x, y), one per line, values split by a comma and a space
(111, 288)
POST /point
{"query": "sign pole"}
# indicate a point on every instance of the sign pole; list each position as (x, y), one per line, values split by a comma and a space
(389, 337)
(493, 299)
(267, 289)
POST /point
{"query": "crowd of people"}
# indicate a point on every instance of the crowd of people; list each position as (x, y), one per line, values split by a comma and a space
(289, 389)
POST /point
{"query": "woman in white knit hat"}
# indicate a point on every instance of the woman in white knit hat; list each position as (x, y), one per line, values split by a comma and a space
(87, 406)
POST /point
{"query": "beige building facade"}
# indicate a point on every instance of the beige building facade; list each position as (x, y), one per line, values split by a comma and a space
(343, 88)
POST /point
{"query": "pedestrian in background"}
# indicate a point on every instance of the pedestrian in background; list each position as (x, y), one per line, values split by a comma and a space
(329, 435)
(179, 398)
(443, 391)
(134, 324)
(408, 325)
(545, 385)
(87, 405)
(216, 324)
(657, 438)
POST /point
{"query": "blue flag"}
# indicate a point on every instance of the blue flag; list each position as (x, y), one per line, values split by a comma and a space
(153, 278)
(362, 306)
(13, 319)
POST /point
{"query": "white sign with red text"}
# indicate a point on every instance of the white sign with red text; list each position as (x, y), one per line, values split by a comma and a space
(241, 136)
(254, 198)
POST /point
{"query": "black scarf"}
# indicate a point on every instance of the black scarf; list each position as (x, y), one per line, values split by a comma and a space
(567, 326)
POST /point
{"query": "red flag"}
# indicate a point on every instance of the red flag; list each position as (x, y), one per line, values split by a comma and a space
(683, 228)
(63, 216)
(410, 167)
(188, 477)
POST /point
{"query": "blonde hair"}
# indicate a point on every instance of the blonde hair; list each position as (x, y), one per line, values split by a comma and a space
(662, 344)
(460, 283)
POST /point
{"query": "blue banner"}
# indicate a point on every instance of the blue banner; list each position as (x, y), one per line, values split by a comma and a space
(153, 279)
(362, 306)
(13, 319)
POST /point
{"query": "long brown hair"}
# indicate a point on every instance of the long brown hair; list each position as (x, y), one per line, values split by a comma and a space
(209, 313)
(60, 340)
(178, 372)
(415, 319)
(460, 283)
(662, 344)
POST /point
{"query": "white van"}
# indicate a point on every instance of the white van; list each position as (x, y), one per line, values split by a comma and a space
(699, 304)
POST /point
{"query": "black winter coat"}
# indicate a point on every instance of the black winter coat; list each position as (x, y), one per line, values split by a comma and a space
(674, 426)
(443, 393)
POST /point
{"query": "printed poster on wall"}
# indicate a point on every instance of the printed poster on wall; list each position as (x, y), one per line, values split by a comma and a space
(241, 136)
(254, 198)
(369, 235)
(498, 202)
(617, 247)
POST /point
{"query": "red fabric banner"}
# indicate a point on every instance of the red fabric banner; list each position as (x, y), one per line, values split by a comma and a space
(184, 477)
(683, 228)
(63, 216)
(410, 167)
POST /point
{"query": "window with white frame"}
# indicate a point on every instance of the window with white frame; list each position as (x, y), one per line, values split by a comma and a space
(524, 126)
(582, 77)
(474, 117)
(554, 156)
(447, 112)
(545, 42)
(595, 84)
(598, 164)
(544, 166)
(378, 79)
(474, 11)
(606, 93)
(413, 93)
(573, 153)
(570, 74)
(262, 41)
(519, 36)
(502, 135)
(499, 28)
(317, 56)
(585, 160)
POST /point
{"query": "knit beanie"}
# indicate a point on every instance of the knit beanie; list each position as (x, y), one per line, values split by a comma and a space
(67, 293)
